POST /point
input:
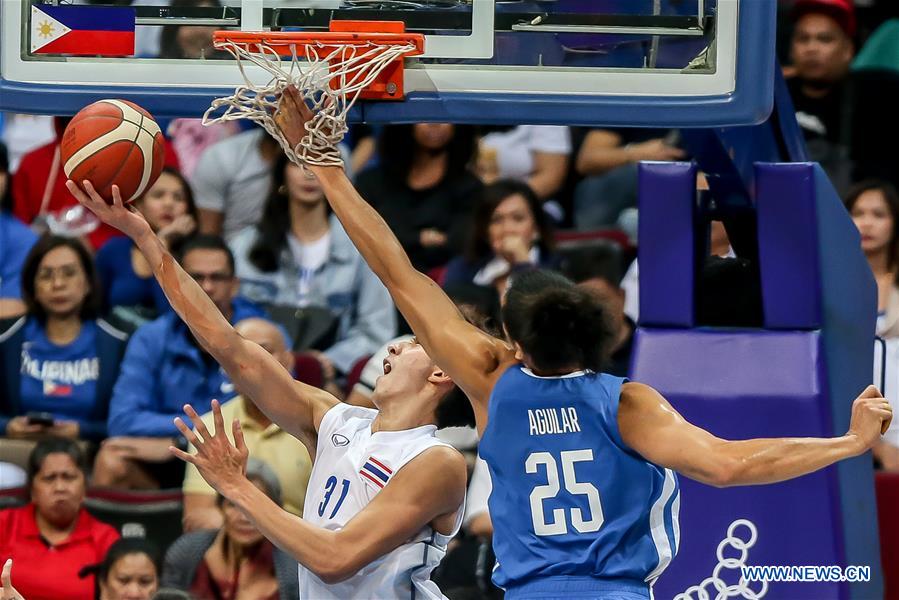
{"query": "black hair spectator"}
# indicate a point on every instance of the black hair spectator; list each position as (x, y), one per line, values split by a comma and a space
(510, 232)
(61, 327)
(874, 207)
(67, 538)
(129, 571)
(424, 188)
(206, 242)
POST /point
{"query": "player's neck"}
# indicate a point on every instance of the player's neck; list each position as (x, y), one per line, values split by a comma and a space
(403, 414)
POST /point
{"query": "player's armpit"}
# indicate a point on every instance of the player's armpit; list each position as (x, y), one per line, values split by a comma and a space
(430, 489)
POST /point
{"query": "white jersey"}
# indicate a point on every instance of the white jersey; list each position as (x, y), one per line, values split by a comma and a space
(351, 466)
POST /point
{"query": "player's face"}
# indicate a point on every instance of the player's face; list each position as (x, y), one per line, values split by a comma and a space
(60, 284)
(820, 50)
(871, 215)
(132, 577)
(302, 186)
(164, 202)
(406, 368)
(210, 268)
(512, 218)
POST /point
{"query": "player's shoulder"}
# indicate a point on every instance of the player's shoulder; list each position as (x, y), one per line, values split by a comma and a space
(443, 463)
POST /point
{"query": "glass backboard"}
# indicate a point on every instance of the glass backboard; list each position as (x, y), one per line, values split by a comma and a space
(685, 63)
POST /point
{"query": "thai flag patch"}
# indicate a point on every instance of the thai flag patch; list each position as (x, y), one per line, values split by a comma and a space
(376, 472)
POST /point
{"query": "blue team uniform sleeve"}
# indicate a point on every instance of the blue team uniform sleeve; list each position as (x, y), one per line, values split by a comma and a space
(133, 409)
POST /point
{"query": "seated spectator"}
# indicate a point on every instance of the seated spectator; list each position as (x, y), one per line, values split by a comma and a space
(235, 562)
(510, 231)
(231, 181)
(874, 207)
(164, 368)
(53, 537)
(607, 160)
(423, 188)
(127, 279)
(39, 187)
(286, 455)
(59, 358)
(130, 570)
(535, 154)
(821, 51)
(299, 256)
(188, 41)
(15, 241)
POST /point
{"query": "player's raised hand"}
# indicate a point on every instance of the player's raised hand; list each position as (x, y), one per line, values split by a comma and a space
(222, 464)
(292, 115)
(7, 591)
(871, 417)
(128, 221)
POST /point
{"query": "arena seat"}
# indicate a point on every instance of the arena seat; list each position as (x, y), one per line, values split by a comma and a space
(308, 370)
(796, 376)
(355, 373)
(888, 516)
(155, 515)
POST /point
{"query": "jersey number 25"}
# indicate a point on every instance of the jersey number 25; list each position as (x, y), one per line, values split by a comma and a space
(558, 524)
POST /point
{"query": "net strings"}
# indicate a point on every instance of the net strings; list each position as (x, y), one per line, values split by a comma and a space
(330, 79)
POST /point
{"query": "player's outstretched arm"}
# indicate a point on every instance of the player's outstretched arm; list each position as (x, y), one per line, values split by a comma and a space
(429, 489)
(470, 356)
(651, 426)
(296, 407)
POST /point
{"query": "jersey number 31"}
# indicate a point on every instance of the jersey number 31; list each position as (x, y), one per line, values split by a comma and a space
(558, 525)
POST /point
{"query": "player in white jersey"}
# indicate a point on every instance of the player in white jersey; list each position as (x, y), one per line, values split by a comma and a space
(385, 495)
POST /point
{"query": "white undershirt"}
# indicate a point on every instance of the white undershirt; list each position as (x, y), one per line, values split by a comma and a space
(309, 257)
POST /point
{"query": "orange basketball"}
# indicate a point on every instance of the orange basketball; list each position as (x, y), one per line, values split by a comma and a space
(113, 142)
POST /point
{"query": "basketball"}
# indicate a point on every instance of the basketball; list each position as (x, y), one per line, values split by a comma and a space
(113, 142)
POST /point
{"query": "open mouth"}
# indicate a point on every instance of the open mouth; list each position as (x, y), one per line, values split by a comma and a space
(387, 366)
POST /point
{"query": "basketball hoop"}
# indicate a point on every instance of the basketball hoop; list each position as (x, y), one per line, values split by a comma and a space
(331, 70)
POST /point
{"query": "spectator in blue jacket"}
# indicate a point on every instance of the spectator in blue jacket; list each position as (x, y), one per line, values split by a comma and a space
(299, 256)
(164, 369)
(58, 358)
(510, 232)
(16, 239)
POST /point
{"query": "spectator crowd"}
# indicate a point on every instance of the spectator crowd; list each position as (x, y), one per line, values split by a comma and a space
(96, 364)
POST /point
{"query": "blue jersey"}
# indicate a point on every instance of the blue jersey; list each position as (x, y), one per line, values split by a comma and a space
(574, 510)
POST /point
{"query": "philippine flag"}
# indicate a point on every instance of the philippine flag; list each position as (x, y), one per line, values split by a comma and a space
(82, 30)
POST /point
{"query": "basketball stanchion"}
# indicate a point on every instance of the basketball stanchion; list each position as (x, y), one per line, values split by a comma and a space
(722, 590)
(331, 70)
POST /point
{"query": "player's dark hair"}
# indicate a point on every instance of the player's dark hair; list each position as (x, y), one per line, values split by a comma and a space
(490, 198)
(53, 445)
(91, 304)
(205, 241)
(891, 197)
(274, 226)
(559, 325)
(397, 147)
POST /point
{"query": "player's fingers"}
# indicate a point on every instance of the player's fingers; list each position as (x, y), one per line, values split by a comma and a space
(217, 418)
(179, 453)
(117, 197)
(89, 188)
(77, 192)
(237, 432)
(199, 425)
(188, 434)
(6, 576)
(871, 392)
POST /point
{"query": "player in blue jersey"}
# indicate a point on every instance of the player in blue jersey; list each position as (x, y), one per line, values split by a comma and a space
(582, 463)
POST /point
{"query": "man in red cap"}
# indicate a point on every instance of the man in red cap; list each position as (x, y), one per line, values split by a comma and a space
(821, 51)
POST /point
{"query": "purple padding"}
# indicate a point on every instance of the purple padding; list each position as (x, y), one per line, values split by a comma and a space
(667, 193)
(788, 245)
(740, 385)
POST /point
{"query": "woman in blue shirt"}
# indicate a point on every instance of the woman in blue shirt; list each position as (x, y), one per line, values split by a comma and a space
(130, 290)
(58, 358)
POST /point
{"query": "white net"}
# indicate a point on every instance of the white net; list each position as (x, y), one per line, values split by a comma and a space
(328, 75)
(720, 589)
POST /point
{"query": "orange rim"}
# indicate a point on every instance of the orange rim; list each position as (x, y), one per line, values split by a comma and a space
(343, 33)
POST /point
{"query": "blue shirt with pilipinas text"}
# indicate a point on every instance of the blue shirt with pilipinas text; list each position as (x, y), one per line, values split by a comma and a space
(61, 380)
